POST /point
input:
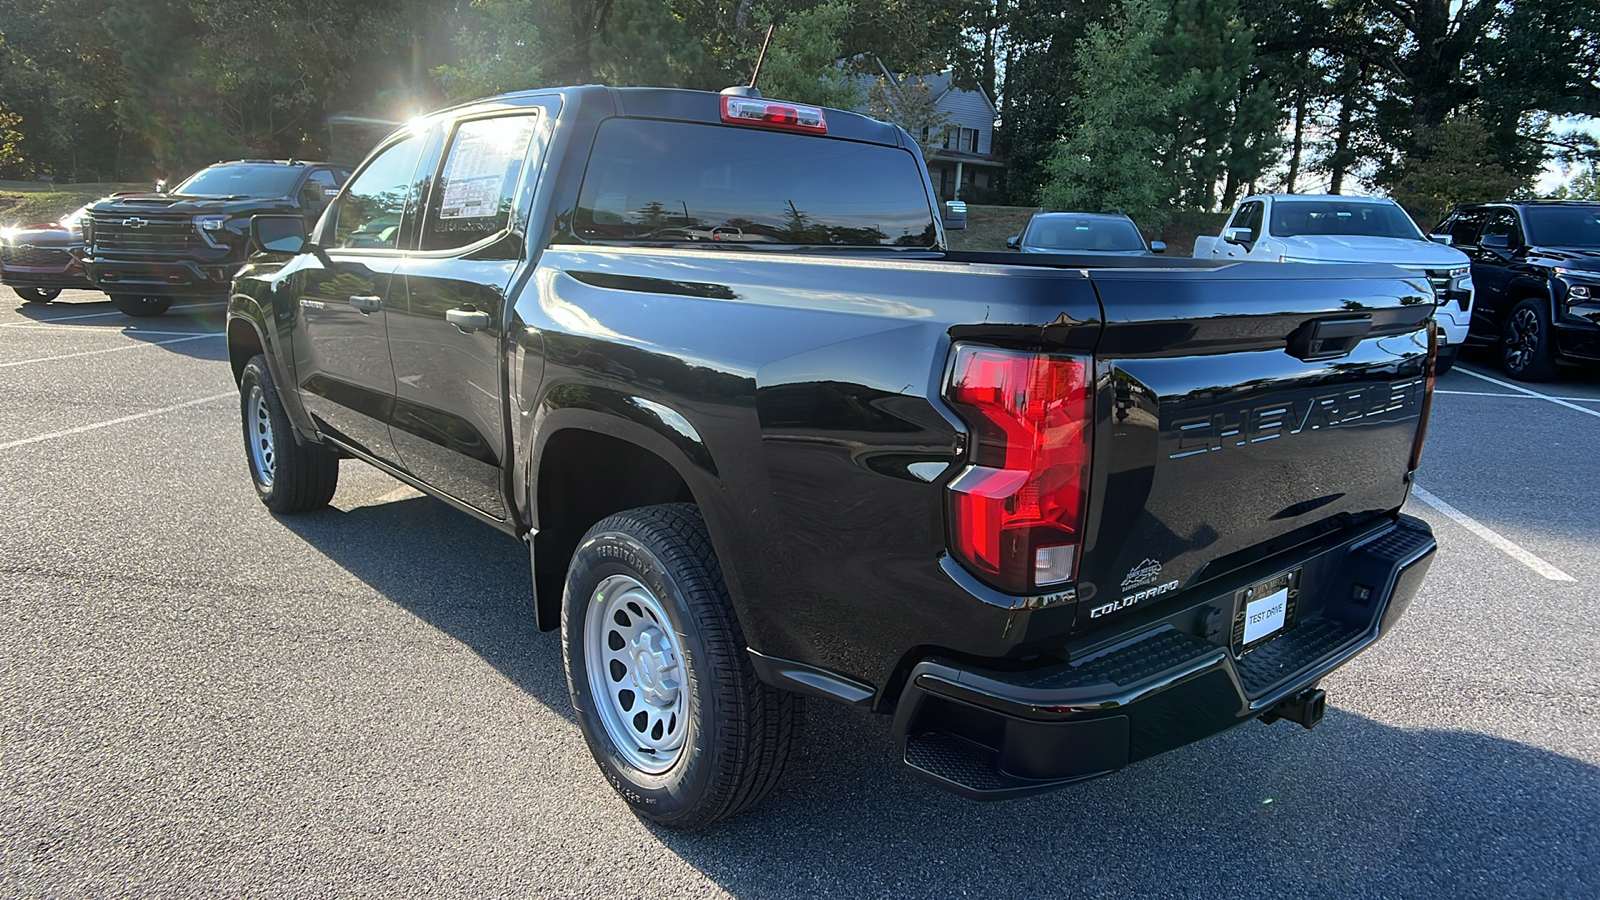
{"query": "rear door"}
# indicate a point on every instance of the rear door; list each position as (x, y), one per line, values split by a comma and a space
(1244, 413)
(340, 335)
(447, 335)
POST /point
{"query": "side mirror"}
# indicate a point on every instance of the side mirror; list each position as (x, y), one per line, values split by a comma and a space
(278, 234)
(161, 185)
(1158, 247)
(1239, 235)
(1495, 242)
(1445, 239)
(1013, 242)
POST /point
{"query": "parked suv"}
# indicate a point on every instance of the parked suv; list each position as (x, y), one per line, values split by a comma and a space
(1072, 232)
(147, 249)
(39, 261)
(1536, 264)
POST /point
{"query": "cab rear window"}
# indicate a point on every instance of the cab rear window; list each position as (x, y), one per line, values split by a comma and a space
(651, 181)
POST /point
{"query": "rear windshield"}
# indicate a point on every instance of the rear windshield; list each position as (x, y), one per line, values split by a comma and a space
(661, 182)
(1297, 217)
(262, 182)
(1563, 226)
(1082, 233)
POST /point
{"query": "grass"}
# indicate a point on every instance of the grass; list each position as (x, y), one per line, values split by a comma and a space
(25, 202)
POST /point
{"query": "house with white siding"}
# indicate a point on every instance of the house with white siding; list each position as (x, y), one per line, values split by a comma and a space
(962, 162)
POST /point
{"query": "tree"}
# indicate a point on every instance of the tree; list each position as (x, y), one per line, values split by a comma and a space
(1117, 139)
(1451, 164)
(11, 158)
(910, 104)
(500, 51)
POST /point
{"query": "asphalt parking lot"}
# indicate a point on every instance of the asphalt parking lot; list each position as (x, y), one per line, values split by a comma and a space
(197, 698)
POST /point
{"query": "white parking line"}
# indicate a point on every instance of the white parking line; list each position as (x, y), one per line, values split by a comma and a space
(109, 422)
(1556, 400)
(1501, 543)
(1457, 393)
(135, 331)
(109, 312)
(192, 337)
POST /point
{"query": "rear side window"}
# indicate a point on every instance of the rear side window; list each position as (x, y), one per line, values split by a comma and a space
(477, 185)
(672, 182)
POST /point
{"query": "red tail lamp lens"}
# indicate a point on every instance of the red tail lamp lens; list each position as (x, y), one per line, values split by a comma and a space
(1017, 511)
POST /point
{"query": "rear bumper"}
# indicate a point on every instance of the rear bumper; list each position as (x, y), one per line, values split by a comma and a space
(990, 734)
(163, 278)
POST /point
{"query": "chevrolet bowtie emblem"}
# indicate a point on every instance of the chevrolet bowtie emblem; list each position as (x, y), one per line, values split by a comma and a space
(134, 223)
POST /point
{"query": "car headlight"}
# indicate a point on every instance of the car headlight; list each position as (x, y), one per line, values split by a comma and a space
(1582, 293)
(210, 223)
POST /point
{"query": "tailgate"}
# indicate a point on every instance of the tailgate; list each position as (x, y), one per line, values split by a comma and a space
(1242, 411)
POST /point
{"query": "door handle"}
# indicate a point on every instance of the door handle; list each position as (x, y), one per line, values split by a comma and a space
(468, 320)
(366, 302)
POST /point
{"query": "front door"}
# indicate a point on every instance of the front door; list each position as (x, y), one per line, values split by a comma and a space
(1492, 270)
(340, 339)
(448, 336)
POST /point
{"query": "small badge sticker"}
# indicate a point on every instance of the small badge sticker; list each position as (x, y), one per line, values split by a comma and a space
(1147, 572)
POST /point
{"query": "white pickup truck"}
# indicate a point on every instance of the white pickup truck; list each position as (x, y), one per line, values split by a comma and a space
(1321, 228)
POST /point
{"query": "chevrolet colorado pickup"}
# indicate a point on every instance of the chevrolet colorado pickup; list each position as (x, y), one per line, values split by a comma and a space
(145, 250)
(766, 438)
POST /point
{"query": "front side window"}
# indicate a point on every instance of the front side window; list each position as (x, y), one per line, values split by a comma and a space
(673, 182)
(476, 188)
(1294, 218)
(1249, 216)
(1504, 222)
(369, 214)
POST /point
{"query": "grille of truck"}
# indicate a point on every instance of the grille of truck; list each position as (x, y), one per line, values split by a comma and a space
(143, 233)
(28, 255)
(1439, 279)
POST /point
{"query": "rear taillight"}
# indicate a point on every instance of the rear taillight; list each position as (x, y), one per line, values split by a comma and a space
(1016, 513)
(1427, 395)
(773, 114)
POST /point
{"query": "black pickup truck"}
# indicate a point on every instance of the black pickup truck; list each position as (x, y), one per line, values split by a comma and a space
(146, 250)
(766, 438)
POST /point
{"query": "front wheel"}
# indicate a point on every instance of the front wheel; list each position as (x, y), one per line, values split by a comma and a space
(659, 675)
(1526, 353)
(37, 294)
(140, 307)
(289, 476)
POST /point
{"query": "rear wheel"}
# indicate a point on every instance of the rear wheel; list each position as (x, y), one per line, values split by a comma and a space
(289, 476)
(1525, 350)
(37, 294)
(134, 305)
(659, 674)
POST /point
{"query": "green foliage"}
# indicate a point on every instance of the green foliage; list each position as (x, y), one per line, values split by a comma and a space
(1451, 164)
(500, 51)
(911, 105)
(1119, 135)
(802, 61)
(11, 158)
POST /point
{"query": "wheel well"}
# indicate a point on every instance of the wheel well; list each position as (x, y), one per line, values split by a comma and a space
(243, 343)
(585, 476)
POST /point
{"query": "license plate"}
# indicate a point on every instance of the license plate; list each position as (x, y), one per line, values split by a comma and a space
(1265, 609)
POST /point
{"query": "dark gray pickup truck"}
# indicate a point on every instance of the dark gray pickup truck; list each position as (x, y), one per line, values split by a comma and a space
(766, 438)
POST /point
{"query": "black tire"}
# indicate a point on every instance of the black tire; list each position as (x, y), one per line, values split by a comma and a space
(1525, 343)
(1444, 363)
(37, 294)
(739, 733)
(289, 476)
(140, 307)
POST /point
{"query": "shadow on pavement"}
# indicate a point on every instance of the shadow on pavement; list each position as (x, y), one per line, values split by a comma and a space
(166, 330)
(458, 575)
(1354, 808)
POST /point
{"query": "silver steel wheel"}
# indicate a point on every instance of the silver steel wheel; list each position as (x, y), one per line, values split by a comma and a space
(263, 443)
(636, 673)
(1523, 341)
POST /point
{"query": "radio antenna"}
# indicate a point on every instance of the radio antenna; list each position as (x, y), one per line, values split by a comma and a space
(763, 57)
